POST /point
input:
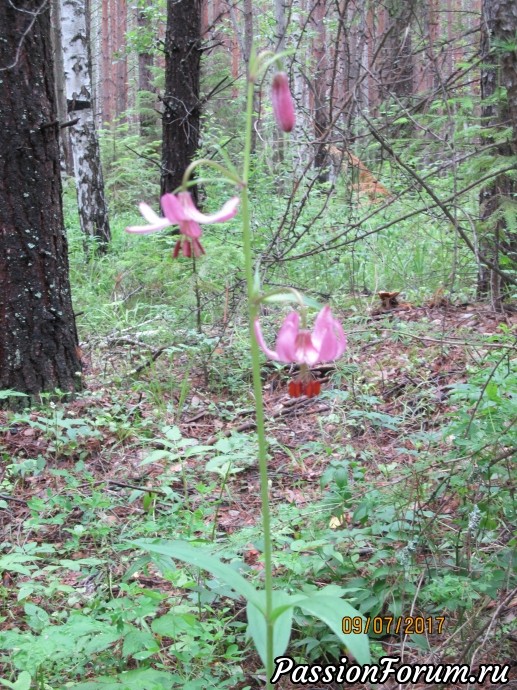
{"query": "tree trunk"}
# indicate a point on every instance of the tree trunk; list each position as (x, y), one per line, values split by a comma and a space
(93, 211)
(38, 339)
(320, 90)
(119, 26)
(146, 117)
(59, 76)
(181, 99)
(107, 87)
(396, 68)
(280, 25)
(499, 242)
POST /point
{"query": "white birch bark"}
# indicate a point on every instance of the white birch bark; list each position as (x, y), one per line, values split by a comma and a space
(93, 211)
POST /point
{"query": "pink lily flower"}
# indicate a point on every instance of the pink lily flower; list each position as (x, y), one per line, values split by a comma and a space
(326, 343)
(180, 210)
(282, 101)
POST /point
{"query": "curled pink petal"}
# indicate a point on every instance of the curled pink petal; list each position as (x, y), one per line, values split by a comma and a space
(261, 342)
(173, 208)
(228, 210)
(147, 229)
(155, 222)
(150, 215)
(326, 343)
(286, 338)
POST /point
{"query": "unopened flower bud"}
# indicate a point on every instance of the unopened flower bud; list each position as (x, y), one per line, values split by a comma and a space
(283, 106)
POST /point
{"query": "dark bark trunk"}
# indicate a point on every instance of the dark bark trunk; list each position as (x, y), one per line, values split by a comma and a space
(38, 339)
(121, 87)
(498, 242)
(181, 99)
(396, 69)
(146, 117)
(320, 90)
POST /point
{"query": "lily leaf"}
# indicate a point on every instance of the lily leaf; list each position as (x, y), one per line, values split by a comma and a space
(282, 616)
(202, 558)
(332, 610)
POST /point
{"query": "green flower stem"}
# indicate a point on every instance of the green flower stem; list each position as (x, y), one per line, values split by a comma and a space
(257, 387)
(211, 164)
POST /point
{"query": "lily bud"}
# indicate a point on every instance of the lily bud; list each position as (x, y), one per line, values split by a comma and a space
(282, 101)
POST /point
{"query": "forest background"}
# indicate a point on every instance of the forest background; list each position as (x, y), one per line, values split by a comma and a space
(393, 199)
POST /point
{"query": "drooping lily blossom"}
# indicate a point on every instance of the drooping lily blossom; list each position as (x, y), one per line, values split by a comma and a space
(325, 343)
(180, 210)
(282, 101)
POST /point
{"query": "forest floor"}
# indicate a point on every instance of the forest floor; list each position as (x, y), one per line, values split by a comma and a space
(130, 458)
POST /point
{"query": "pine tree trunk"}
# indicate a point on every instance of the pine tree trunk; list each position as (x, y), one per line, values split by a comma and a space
(320, 89)
(499, 28)
(181, 99)
(145, 64)
(396, 68)
(93, 211)
(120, 62)
(280, 25)
(38, 339)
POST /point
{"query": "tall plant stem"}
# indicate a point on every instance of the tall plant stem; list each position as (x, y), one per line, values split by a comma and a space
(257, 386)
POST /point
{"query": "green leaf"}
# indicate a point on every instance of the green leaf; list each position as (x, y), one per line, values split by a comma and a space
(282, 623)
(12, 394)
(23, 682)
(154, 456)
(331, 611)
(202, 558)
(420, 641)
(140, 679)
(286, 296)
(279, 298)
(37, 618)
(137, 641)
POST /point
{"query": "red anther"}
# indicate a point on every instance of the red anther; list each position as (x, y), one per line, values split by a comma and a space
(295, 389)
(177, 248)
(198, 248)
(312, 389)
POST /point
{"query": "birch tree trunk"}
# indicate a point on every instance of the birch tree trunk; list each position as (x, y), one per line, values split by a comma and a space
(59, 77)
(93, 211)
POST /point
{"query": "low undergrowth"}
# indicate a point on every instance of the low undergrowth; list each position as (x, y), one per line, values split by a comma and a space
(396, 487)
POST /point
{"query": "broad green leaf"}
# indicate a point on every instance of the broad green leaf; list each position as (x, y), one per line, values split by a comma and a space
(202, 558)
(23, 682)
(331, 611)
(282, 623)
(154, 456)
(139, 641)
(140, 679)
(12, 394)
